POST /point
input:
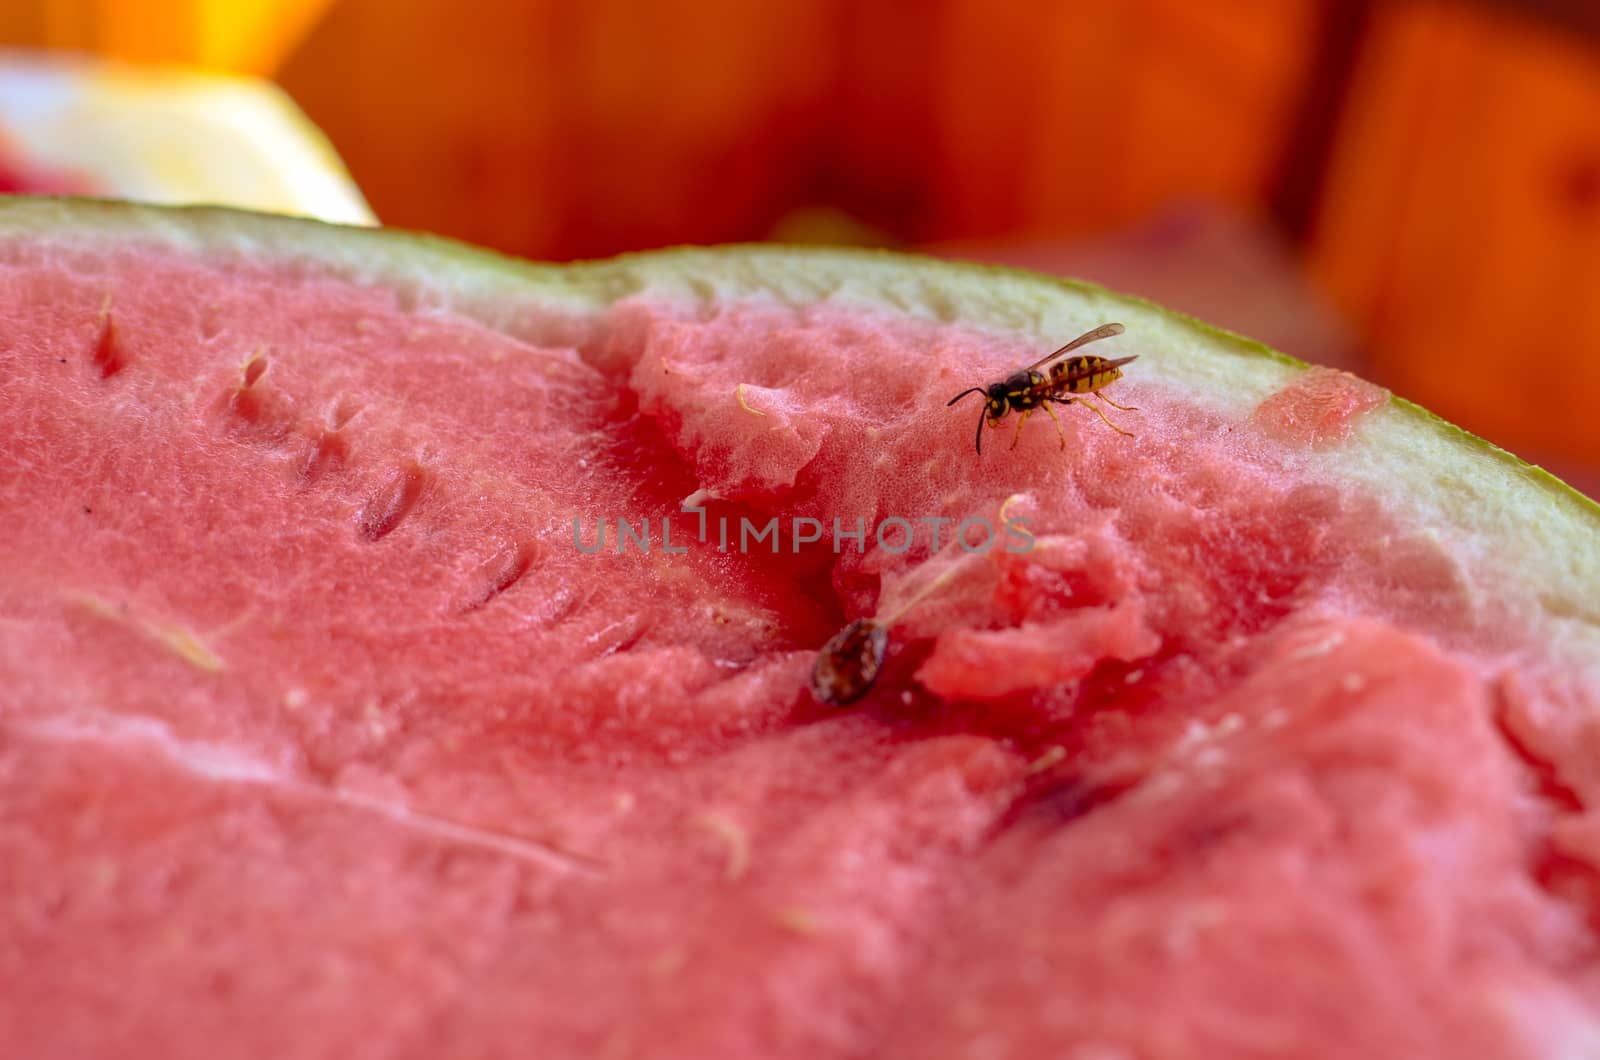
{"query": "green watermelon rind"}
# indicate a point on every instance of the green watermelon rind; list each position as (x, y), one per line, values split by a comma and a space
(1519, 530)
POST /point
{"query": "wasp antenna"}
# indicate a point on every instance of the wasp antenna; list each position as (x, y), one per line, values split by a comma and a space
(964, 393)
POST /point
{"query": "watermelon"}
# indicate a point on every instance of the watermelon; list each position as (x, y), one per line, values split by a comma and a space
(409, 653)
(76, 125)
(19, 176)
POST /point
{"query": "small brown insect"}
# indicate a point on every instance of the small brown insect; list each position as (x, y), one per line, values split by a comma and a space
(1029, 389)
(848, 664)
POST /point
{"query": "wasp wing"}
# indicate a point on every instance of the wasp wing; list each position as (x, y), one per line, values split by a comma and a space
(1104, 331)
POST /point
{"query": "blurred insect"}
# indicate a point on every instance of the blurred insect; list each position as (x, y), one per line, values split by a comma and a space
(1029, 389)
(848, 664)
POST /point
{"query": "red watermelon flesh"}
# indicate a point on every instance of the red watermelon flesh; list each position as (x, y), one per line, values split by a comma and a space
(21, 177)
(321, 735)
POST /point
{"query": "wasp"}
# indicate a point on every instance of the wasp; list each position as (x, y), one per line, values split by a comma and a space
(848, 664)
(1024, 391)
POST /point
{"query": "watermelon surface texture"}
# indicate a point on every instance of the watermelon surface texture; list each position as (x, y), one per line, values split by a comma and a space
(322, 733)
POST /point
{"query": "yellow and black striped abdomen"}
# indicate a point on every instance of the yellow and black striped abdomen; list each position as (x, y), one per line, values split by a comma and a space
(1084, 375)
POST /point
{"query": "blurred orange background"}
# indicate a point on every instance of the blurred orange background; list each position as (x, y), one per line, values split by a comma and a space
(1408, 188)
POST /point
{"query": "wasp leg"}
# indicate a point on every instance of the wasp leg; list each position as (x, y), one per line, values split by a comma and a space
(1108, 401)
(1023, 418)
(1102, 415)
(1057, 422)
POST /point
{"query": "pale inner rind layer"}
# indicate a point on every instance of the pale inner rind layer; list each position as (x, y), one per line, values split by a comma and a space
(1519, 534)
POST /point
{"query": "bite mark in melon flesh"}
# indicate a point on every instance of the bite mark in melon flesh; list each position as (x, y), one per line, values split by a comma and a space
(1318, 409)
(326, 737)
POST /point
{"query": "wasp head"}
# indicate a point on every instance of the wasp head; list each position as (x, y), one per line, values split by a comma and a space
(994, 401)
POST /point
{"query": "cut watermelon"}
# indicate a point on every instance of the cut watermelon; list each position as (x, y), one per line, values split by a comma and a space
(331, 726)
(74, 125)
